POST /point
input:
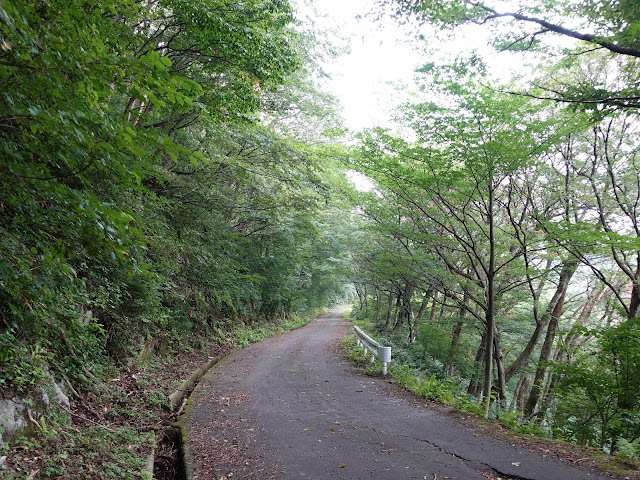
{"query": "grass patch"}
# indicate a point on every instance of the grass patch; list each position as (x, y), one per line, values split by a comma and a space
(430, 388)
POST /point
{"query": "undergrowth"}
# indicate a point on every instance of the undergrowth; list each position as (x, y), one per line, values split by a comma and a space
(243, 336)
(111, 428)
(446, 392)
(67, 451)
(430, 388)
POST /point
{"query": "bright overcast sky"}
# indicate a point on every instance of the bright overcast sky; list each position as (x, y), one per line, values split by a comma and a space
(383, 54)
(380, 54)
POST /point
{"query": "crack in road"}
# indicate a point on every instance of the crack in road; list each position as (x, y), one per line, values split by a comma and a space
(302, 377)
(467, 462)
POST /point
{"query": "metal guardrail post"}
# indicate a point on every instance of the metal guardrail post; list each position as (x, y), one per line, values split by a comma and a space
(377, 351)
(384, 355)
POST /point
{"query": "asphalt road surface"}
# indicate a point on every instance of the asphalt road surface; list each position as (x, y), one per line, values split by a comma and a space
(293, 407)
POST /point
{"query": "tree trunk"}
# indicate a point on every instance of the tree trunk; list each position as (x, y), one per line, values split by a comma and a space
(519, 394)
(634, 302)
(573, 340)
(441, 314)
(489, 313)
(499, 364)
(406, 300)
(547, 396)
(362, 295)
(365, 296)
(544, 356)
(423, 306)
(396, 311)
(455, 337)
(475, 386)
(455, 340)
(568, 269)
(432, 313)
(389, 312)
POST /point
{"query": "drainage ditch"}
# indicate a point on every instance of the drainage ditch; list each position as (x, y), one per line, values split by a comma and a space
(169, 458)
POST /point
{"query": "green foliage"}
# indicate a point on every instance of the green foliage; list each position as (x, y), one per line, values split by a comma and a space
(351, 348)
(23, 365)
(139, 184)
(435, 343)
(513, 420)
(93, 453)
(445, 392)
(599, 392)
(628, 450)
(601, 27)
(245, 335)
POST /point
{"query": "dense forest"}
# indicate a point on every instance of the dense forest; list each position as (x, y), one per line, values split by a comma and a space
(502, 235)
(173, 169)
(163, 172)
(167, 180)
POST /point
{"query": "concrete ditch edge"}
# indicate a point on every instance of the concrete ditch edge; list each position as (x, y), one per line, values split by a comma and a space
(176, 399)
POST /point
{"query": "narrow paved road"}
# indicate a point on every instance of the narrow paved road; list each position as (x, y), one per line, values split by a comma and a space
(293, 408)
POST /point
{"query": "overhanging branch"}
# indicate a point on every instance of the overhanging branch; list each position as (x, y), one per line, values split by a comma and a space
(585, 37)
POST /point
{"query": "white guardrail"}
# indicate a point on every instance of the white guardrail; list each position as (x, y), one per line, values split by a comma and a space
(370, 345)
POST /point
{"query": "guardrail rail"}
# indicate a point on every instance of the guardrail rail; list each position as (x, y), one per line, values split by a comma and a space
(383, 354)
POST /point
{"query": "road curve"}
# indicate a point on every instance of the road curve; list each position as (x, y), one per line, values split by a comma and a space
(293, 407)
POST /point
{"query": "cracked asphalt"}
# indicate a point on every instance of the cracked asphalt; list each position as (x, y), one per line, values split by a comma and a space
(293, 407)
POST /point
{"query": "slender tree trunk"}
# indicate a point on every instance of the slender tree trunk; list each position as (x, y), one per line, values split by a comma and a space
(362, 295)
(523, 358)
(389, 312)
(546, 396)
(365, 297)
(634, 302)
(519, 394)
(499, 365)
(475, 385)
(545, 354)
(434, 301)
(396, 311)
(423, 306)
(568, 269)
(455, 340)
(441, 314)
(411, 322)
(455, 336)
(404, 300)
(408, 295)
(489, 314)
(412, 329)
(574, 339)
